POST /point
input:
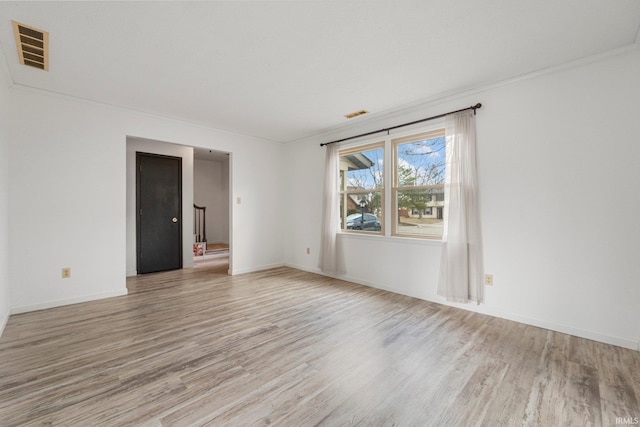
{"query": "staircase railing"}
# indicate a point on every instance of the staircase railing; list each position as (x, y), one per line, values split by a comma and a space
(199, 223)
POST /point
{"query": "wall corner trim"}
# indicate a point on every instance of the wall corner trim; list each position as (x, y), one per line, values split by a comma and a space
(3, 321)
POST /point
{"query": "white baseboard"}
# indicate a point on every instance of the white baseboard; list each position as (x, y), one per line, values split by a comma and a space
(237, 271)
(491, 311)
(570, 330)
(59, 303)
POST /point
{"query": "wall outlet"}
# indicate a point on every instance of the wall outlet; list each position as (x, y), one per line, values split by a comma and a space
(488, 279)
(308, 251)
(66, 272)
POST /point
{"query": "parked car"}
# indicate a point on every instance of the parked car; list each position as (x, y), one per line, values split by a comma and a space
(369, 223)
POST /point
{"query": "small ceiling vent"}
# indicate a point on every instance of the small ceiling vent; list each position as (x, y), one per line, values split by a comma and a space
(33, 46)
(355, 114)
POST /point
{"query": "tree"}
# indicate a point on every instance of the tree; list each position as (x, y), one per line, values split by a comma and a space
(411, 199)
(420, 163)
(368, 179)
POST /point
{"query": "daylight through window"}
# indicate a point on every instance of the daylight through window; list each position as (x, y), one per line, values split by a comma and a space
(418, 184)
(416, 194)
(362, 189)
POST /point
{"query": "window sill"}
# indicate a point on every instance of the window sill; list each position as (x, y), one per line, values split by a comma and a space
(390, 239)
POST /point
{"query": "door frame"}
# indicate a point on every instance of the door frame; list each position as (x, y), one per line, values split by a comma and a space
(140, 154)
(134, 143)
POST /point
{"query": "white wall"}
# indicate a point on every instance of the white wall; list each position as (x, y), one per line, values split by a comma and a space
(156, 147)
(67, 188)
(4, 193)
(211, 189)
(555, 150)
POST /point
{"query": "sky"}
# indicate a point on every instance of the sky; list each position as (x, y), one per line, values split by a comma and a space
(420, 162)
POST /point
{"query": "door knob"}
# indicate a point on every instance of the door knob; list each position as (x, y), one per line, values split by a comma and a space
(174, 219)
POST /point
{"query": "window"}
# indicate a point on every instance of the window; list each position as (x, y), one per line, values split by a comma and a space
(415, 199)
(362, 189)
(418, 184)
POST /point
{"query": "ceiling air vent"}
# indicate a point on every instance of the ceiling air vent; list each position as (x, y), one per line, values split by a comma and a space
(33, 46)
(355, 114)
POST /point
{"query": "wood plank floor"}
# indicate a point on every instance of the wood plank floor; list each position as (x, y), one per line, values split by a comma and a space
(290, 348)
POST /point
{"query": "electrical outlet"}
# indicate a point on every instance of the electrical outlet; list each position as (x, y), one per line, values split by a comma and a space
(488, 279)
(66, 272)
(308, 251)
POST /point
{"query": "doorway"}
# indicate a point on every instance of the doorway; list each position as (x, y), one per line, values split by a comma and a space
(158, 212)
(211, 184)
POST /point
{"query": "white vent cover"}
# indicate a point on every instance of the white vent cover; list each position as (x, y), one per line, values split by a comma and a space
(33, 46)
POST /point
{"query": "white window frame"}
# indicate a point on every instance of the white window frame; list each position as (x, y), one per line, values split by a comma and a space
(344, 192)
(389, 202)
(396, 187)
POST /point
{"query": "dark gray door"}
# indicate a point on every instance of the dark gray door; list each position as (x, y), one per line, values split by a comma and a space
(159, 212)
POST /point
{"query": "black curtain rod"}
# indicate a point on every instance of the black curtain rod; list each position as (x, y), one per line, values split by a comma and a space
(474, 108)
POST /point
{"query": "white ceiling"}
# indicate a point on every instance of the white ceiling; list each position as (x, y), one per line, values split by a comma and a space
(284, 70)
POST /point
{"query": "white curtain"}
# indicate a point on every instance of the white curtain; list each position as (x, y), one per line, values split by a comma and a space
(330, 212)
(461, 267)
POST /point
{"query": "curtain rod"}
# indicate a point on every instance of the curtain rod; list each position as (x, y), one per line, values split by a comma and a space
(473, 107)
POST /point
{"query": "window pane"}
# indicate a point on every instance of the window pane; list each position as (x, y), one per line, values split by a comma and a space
(362, 170)
(362, 211)
(420, 211)
(421, 162)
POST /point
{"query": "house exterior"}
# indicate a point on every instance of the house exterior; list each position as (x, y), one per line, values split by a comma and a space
(434, 206)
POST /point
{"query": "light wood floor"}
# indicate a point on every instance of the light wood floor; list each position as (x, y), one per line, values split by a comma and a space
(290, 348)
